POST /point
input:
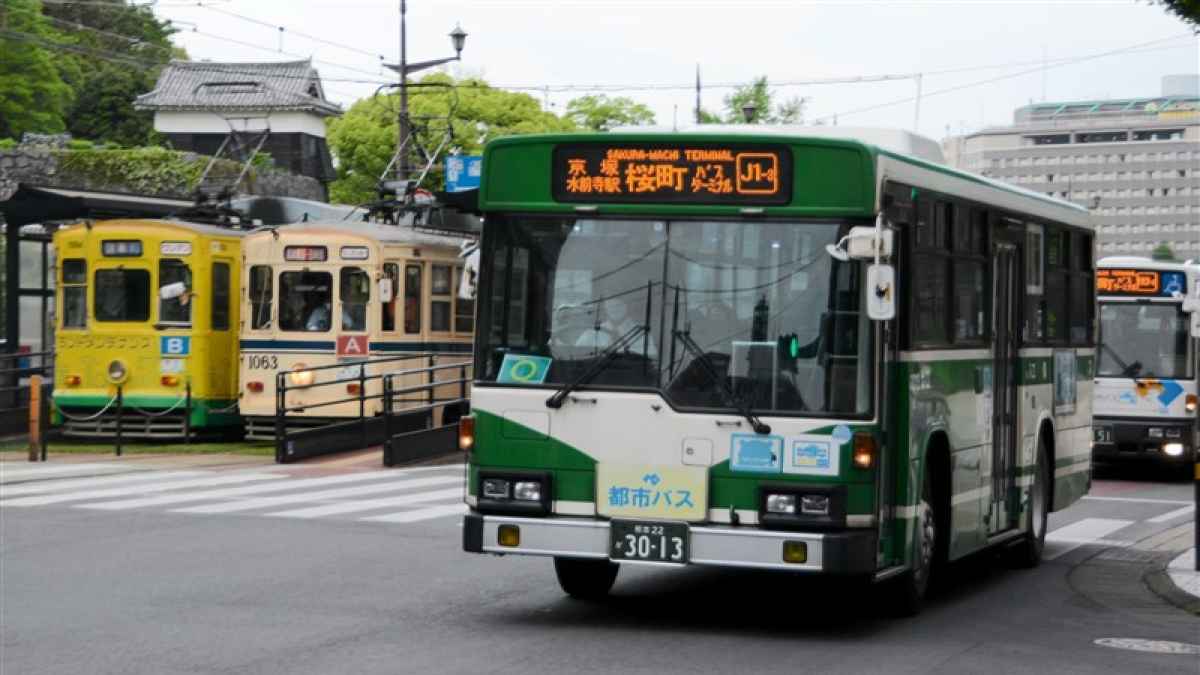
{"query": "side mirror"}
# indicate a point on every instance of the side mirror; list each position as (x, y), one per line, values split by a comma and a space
(862, 242)
(881, 292)
(385, 290)
(172, 291)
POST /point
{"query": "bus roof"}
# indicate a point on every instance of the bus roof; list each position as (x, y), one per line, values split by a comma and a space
(897, 155)
(1137, 262)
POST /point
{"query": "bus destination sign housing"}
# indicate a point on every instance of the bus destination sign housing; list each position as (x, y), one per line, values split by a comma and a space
(655, 173)
(1145, 283)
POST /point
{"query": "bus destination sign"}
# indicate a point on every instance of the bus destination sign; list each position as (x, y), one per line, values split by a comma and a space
(1139, 282)
(673, 174)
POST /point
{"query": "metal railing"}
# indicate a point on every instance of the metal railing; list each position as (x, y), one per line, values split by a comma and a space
(25, 391)
(394, 398)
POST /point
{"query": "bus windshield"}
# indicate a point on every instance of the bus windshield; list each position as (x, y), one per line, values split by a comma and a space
(699, 308)
(1144, 340)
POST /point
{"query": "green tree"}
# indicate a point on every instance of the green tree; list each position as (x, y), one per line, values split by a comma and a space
(33, 96)
(761, 99)
(1163, 252)
(601, 113)
(1187, 10)
(364, 139)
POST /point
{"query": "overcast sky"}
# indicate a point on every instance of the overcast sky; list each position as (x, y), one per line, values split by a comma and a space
(658, 43)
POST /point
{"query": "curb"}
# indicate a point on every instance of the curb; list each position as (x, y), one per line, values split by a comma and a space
(1158, 581)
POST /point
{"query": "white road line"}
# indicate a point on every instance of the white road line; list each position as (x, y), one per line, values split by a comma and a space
(1172, 515)
(62, 485)
(368, 504)
(1136, 499)
(300, 498)
(428, 513)
(1080, 533)
(227, 479)
(10, 473)
(290, 484)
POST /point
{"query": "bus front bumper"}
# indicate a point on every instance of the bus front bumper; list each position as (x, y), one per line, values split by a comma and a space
(843, 552)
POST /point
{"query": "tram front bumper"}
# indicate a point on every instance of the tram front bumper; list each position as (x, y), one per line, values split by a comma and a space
(844, 552)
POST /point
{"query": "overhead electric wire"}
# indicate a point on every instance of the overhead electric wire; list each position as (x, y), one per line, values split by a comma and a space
(284, 29)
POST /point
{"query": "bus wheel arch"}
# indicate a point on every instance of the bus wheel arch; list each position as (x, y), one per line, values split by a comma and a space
(1045, 439)
(938, 470)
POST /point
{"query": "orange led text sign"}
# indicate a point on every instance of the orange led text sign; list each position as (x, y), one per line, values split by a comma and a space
(1127, 282)
(673, 174)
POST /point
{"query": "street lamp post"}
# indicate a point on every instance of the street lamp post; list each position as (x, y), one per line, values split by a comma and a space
(458, 38)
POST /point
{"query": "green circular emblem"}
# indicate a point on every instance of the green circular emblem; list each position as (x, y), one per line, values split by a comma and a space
(524, 370)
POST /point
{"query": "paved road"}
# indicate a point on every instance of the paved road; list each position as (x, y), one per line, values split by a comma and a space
(320, 570)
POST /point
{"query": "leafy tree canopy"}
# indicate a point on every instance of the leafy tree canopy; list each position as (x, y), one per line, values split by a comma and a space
(364, 139)
(1163, 252)
(33, 95)
(765, 110)
(1187, 10)
(601, 113)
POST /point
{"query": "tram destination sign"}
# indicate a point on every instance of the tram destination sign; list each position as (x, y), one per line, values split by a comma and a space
(1140, 282)
(693, 173)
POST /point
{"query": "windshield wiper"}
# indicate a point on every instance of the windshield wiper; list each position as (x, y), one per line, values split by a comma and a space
(731, 399)
(606, 357)
(1127, 369)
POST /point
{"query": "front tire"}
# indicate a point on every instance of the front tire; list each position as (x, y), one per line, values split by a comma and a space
(585, 579)
(908, 592)
(1028, 553)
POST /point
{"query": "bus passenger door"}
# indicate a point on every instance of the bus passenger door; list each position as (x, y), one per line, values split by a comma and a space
(1005, 296)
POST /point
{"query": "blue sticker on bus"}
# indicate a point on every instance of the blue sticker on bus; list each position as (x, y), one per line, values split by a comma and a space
(841, 433)
(753, 452)
(523, 369)
(174, 345)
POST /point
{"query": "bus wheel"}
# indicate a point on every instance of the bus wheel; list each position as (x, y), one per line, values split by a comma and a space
(908, 591)
(585, 579)
(1028, 553)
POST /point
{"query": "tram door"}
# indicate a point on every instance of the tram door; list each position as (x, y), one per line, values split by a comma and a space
(1005, 303)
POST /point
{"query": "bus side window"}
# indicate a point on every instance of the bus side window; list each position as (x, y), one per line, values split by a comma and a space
(412, 298)
(74, 282)
(391, 271)
(260, 297)
(220, 296)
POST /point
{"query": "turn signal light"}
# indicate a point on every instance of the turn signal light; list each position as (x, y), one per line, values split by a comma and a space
(1191, 403)
(254, 387)
(508, 535)
(73, 380)
(795, 552)
(466, 433)
(169, 380)
(864, 450)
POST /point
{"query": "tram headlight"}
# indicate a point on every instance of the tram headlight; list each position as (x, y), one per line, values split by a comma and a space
(117, 372)
(300, 376)
(1172, 449)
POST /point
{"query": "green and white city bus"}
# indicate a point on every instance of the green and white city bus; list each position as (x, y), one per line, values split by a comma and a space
(770, 348)
(1145, 397)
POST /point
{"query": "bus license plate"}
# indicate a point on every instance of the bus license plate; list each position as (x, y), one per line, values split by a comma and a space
(646, 540)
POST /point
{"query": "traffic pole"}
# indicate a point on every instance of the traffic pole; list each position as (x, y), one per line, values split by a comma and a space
(35, 416)
(1196, 513)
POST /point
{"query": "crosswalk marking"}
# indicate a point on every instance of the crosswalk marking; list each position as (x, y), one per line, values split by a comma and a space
(9, 473)
(230, 493)
(42, 487)
(369, 504)
(427, 513)
(229, 479)
(1172, 515)
(359, 490)
(1081, 532)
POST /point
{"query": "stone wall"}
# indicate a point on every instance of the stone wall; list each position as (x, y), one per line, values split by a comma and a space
(157, 172)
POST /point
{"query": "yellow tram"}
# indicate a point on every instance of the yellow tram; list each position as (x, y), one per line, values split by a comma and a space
(322, 294)
(146, 328)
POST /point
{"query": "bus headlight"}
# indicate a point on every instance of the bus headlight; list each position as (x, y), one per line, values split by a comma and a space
(117, 372)
(527, 491)
(1172, 449)
(781, 503)
(299, 377)
(495, 488)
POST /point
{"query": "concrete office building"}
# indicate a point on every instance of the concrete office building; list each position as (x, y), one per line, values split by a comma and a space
(1134, 162)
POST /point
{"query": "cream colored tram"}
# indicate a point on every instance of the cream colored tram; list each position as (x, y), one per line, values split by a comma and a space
(322, 295)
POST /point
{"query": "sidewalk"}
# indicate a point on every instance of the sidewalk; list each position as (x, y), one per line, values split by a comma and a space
(1182, 571)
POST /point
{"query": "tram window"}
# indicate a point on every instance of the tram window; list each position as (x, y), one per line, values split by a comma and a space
(412, 298)
(122, 295)
(439, 306)
(391, 271)
(304, 301)
(354, 290)
(260, 297)
(176, 310)
(464, 308)
(220, 296)
(74, 279)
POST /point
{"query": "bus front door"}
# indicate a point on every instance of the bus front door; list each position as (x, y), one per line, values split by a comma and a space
(1005, 295)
